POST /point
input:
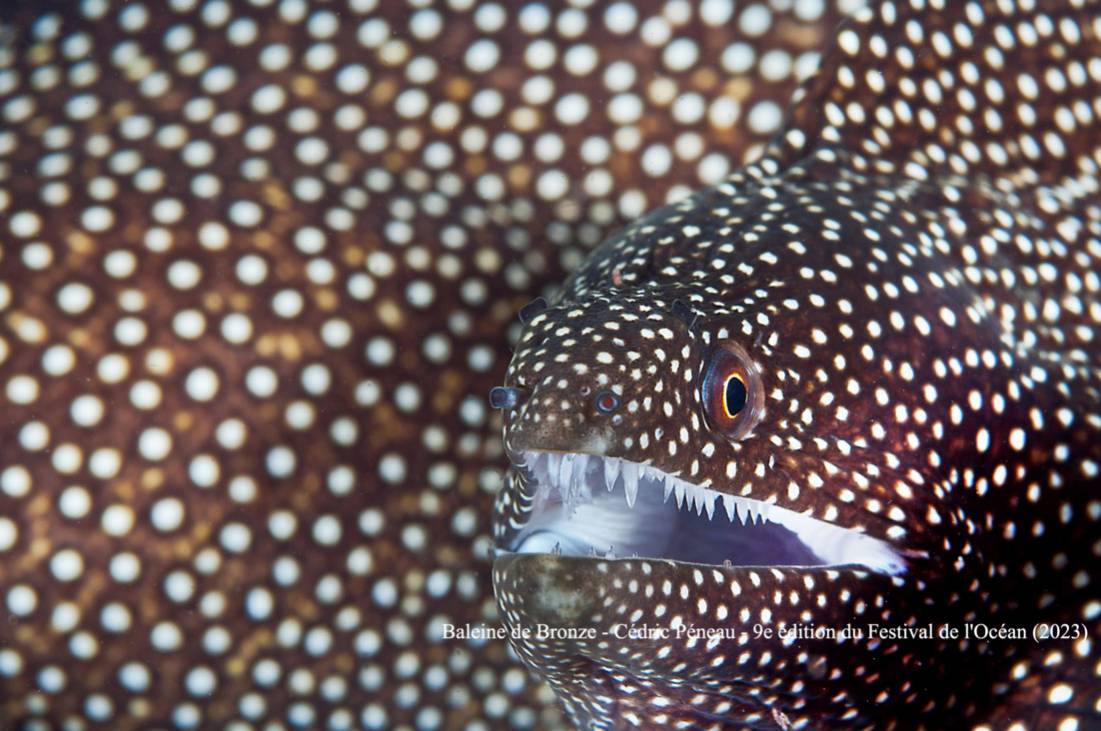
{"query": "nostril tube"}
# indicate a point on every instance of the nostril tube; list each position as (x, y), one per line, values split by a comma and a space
(503, 397)
(531, 309)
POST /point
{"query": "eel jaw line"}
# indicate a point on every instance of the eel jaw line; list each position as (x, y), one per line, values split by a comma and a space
(586, 505)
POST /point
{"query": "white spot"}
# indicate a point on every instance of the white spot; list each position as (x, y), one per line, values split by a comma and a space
(67, 565)
(117, 520)
(755, 20)
(74, 502)
(154, 444)
(21, 600)
(765, 117)
(552, 185)
(982, 440)
(75, 298)
(9, 533)
(58, 360)
(125, 567)
(287, 303)
(280, 461)
(167, 514)
(201, 681)
(482, 56)
(681, 54)
(620, 18)
(426, 24)
(235, 537)
(261, 381)
(1060, 693)
(201, 384)
(166, 636)
(572, 109)
(245, 213)
(259, 604)
(326, 530)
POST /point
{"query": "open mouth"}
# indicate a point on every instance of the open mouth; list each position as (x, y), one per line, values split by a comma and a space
(612, 508)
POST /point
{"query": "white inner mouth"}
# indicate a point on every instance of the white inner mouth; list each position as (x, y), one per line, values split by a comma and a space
(604, 506)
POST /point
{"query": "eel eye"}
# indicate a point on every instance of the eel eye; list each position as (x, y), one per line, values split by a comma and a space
(731, 390)
(606, 402)
(734, 395)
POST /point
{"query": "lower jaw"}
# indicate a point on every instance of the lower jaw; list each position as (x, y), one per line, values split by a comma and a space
(619, 636)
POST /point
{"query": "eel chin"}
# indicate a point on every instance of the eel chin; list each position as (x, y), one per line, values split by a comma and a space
(608, 507)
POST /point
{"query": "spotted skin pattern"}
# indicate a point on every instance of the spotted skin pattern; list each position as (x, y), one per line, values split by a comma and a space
(259, 264)
(913, 268)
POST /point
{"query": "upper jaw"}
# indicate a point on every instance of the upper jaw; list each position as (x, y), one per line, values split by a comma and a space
(589, 505)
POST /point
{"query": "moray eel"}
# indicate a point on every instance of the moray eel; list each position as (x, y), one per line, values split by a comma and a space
(258, 265)
(818, 447)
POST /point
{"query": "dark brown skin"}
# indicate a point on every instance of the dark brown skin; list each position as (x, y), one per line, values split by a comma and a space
(409, 478)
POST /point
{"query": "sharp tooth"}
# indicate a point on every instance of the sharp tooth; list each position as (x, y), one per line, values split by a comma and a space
(546, 476)
(709, 505)
(580, 480)
(565, 469)
(553, 461)
(580, 467)
(739, 516)
(748, 514)
(630, 482)
(678, 490)
(729, 502)
(611, 472)
(667, 486)
(763, 512)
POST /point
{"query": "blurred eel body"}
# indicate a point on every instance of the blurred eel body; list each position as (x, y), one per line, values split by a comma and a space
(843, 408)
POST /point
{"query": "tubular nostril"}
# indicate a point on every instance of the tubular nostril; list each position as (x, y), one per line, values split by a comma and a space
(503, 397)
(531, 309)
